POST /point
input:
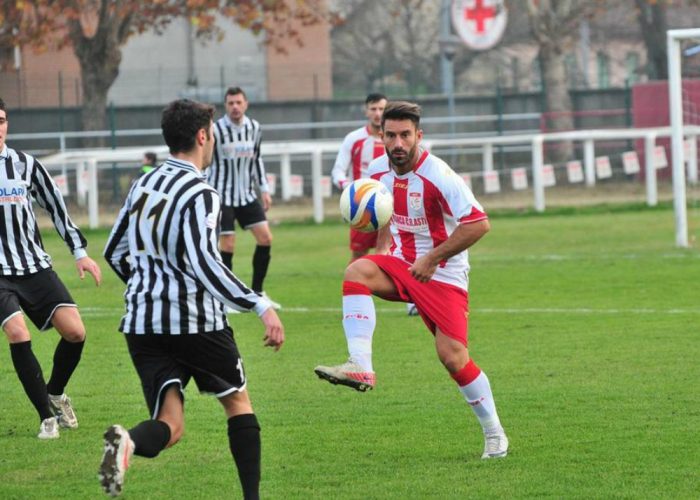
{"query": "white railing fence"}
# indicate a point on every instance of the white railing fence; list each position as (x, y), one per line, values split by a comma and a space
(311, 153)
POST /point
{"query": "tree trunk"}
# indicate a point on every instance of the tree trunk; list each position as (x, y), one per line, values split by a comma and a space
(652, 23)
(559, 116)
(99, 56)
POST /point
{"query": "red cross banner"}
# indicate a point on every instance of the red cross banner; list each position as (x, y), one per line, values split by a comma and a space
(479, 23)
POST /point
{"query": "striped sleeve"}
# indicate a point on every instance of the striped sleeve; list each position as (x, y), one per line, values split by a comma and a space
(201, 250)
(259, 164)
(48, 196)
(339, 174)
(117, 248)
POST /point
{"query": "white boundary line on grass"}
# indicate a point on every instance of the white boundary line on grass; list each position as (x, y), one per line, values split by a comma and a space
(108, 311)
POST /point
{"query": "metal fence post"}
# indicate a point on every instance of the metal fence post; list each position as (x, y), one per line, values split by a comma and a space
(650, 169)
(537, 181)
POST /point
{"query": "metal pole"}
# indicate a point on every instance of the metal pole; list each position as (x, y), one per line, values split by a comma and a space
(316, 191)
(285, 176)
(673, 48)
(692, 159)
(650, 169)
(589, 162)
(537, 180)
(92, 195)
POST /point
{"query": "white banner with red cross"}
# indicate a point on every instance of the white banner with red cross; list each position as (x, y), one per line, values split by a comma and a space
(479, 23)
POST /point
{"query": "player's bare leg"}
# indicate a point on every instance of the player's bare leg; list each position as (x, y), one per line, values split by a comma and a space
(29, 373)
(70, 326)
(244, 441)
(261, 258)
(363, 278)
(475, 387)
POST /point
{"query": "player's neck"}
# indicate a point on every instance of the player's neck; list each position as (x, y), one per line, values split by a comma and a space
(238, 122)
(195, 157)
(373, 129)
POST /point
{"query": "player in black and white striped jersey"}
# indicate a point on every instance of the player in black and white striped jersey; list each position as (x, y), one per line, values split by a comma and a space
(236, 170)
(164, 247)
(29, 286)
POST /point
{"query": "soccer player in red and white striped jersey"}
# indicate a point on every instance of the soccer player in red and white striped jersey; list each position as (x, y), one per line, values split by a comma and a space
(359, 148)
(421, 257)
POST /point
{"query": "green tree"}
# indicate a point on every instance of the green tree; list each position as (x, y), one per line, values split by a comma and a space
(98, 29)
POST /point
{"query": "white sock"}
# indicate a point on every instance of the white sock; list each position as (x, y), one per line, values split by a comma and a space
(359, 320)
(479, 396)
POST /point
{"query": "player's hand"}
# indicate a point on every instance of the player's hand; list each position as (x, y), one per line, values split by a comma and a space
(266, 201)
(274, 331)
(89, 265)
(423, 269)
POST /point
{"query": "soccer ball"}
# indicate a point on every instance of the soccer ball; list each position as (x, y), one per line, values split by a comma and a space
(367, 205)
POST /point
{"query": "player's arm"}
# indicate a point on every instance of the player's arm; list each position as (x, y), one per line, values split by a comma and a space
(262, 176)
(116, 250)
(383, 240)
(47, 194)
(463, 237)
(201, 248)
(339, 173)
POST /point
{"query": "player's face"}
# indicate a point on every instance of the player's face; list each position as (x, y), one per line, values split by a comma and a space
(3, 128)
(209, 146)
(236, 106)
(373, 112)
(401, 139)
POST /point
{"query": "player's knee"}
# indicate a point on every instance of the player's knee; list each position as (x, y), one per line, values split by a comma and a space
(265, 239)
(16, 333)
(453, 359)
(227, 244)
(359, 270)
(74, 333)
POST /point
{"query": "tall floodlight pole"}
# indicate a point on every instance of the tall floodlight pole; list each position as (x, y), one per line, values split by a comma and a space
(675, 96)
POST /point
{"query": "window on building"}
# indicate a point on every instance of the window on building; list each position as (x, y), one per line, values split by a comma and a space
(632, 67)
(536, 75)
(603, 71)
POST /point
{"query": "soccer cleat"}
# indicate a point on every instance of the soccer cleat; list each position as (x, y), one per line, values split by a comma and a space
(349, 373)
(411, 309)
(275, 305)
(495, 444)
(63, 410)
(118, 451)
(48, 429)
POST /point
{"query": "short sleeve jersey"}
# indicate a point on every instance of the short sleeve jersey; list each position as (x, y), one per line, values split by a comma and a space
(429, 203)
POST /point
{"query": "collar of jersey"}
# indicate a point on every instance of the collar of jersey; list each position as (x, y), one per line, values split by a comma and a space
(173, 162)
(4, 153)
(230, 123)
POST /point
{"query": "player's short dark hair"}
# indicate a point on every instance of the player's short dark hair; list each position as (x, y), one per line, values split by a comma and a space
(150, 157)
(235, 91)
(375, 97)
(2, 105)
(180, 122)
(402, 110)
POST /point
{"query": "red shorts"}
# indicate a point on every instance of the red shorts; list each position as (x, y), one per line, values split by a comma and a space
(440, 305)
(362, 242)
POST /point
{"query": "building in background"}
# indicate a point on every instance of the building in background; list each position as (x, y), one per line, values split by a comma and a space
(156, 69)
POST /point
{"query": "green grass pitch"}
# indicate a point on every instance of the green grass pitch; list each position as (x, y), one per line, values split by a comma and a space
(587, 326)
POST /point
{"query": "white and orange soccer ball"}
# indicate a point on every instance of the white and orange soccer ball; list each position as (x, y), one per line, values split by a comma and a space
(366, 205)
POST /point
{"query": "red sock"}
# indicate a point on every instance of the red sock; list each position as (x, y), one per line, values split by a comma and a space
(467, 374)
(355, 288)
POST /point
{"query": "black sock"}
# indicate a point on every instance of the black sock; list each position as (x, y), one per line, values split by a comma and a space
(150, 437)
(29, 373)
(244, 441)
(65, 360)
(261, 261)
(227, 258)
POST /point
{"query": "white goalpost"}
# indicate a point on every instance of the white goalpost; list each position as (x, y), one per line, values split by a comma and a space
(675, 95)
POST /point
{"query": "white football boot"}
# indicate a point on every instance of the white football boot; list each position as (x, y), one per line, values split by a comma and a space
(118, 451)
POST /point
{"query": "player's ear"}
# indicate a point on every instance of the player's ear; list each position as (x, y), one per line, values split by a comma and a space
(419, 134)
